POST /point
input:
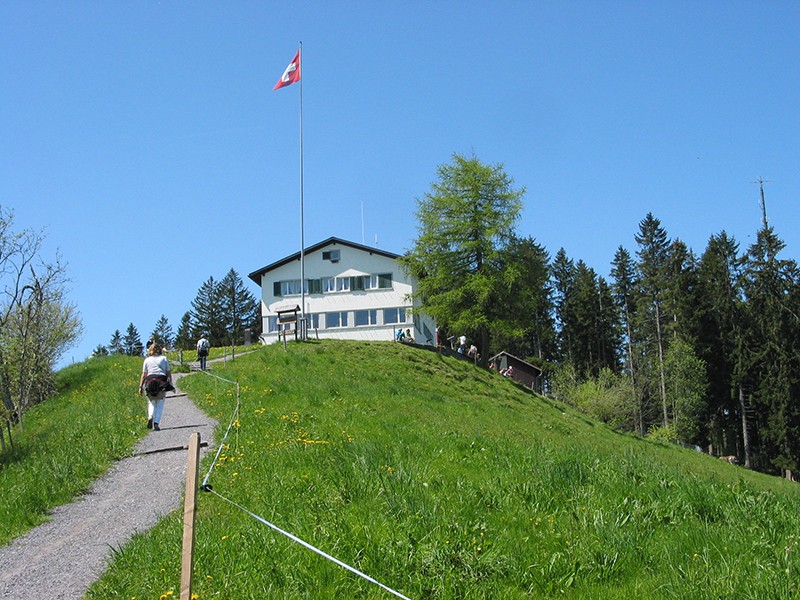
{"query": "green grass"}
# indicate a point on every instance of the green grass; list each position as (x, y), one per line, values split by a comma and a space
(67, 442)
(444, 481)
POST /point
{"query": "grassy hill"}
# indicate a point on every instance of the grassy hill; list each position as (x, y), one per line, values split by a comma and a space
(441, 480)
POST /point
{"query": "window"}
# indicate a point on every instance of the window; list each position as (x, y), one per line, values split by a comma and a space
(366, 317)
(313, 320)
(394, 315)
(380, 281)
(288, 288)
(331, 255)
(328, 285)
(335, 319)
(343, 284)
(357, 283)
(314, 286)
(272, 324)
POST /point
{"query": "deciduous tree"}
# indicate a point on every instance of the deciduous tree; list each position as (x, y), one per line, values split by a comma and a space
(466, 222)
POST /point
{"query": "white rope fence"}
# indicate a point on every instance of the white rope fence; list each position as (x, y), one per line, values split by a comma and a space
(207, 488)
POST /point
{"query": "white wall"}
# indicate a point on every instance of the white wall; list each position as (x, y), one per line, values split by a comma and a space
(352, 261)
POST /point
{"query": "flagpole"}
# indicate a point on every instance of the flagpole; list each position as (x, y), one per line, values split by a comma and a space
(302, 225)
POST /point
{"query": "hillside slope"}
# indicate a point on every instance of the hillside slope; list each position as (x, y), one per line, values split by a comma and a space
(442, 480)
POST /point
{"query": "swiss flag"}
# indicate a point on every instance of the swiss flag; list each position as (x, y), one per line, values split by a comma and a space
(291, 74)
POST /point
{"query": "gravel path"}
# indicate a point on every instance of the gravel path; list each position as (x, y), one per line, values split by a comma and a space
(61, 558)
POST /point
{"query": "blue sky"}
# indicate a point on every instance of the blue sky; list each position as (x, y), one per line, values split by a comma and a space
(146, 141)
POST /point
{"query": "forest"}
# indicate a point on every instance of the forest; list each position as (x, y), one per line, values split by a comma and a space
(698, 350)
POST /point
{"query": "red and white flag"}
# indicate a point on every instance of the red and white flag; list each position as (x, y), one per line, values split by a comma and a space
(291, 74)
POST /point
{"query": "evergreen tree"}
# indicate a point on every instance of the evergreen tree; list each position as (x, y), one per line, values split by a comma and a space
(719, 315)
(207, 315)
(563, 277)
(770, 287)
(184, 339)
(609, 337)
(115, 345)
(240, 308)
(653, 255)
(591, 323)
(131, 342)
(466, 222)
(680, 293)
(162, 333)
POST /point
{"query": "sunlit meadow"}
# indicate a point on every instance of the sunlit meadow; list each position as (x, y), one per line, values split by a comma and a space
(441, 480)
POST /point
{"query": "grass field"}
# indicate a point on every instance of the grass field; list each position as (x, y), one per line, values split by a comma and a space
(441, 480)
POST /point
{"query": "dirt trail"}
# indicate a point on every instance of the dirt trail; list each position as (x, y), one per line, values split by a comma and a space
(61, 558)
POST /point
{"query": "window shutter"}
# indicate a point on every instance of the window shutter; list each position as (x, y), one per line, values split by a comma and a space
(276, 288)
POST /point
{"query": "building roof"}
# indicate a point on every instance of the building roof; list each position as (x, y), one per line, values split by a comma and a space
(257, 275)
(517, 359)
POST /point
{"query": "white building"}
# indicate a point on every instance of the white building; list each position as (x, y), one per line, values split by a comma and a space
(351, 291)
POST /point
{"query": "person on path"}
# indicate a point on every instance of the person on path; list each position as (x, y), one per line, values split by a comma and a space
(155, 382)
(202, 351)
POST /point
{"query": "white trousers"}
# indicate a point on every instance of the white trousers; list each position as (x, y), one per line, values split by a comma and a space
(155, 406)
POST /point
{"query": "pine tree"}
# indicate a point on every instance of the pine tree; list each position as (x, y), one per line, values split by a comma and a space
(609, 337)
(593, 327)
(653, 255)
(115, 345)
(719, 315)
(563, 278)
(162, 333)
(240, 308)
(184, 339)
(131, 342)
(770, 287)
(207, 314)
(680, 293)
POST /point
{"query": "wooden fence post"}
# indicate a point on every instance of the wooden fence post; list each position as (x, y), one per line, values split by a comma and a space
(189, 511)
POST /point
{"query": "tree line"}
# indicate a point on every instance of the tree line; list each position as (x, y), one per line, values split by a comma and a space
(703, 350)
(221, 311)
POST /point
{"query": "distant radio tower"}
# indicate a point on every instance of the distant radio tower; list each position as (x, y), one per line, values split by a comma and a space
(761, 181)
